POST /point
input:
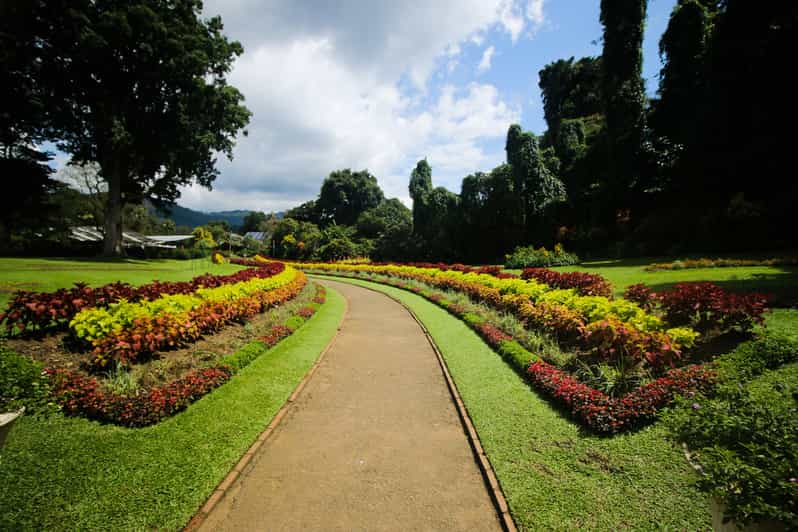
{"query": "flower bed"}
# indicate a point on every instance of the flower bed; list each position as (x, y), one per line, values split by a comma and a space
(50, 311)
(589, 322)
(84, 396)
(703, 306)
(595, 409)
(126, 331)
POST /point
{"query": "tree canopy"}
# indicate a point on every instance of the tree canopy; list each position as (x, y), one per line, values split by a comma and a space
(137, 86)
(345, 194)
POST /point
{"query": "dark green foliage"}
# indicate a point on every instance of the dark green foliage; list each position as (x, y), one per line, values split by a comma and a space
(746, 443)
(346, 194)
(570, 90)
(754, 357)
(21, 383)
(491, 217)
(307, 212)
(420, 181)
(535, 185)
(27, 209)
(624, 96)
(375, 222)
(252, 221)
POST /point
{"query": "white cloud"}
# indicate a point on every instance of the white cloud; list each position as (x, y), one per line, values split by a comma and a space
(511, 19)
(346, 84)
(534, 12)
(484, 63)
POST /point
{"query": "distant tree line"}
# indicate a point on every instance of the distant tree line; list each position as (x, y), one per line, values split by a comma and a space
(703, 166)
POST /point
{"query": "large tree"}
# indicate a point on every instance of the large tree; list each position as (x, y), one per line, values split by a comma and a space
(624, 96)
(345, 194)
(534, 183)
(570, 89)
(138, 86)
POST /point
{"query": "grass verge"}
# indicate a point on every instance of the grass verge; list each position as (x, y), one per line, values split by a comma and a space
(70, 473)
(555, 476)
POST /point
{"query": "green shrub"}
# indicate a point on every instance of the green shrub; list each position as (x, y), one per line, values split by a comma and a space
(294, 322)
(529, 257)
(754, 357)
(746, 443)
(21, 383)
(517, 355)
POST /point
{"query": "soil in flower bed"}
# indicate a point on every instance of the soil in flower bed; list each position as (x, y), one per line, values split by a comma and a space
(164, 366)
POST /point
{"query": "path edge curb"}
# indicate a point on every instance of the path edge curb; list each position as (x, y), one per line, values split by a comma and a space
(227, 482)
(485, 467)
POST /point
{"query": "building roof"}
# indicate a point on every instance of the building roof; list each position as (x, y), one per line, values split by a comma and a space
(170, 238)
(257, 235)
(85, 233)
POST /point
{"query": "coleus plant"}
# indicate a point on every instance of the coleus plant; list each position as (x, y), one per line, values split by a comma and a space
(43, 311)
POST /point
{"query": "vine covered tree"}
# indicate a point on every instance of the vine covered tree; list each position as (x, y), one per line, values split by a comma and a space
(535, 185)
(624, 96)
(139, 87)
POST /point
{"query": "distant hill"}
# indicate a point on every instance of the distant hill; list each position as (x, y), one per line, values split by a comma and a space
(191, 218)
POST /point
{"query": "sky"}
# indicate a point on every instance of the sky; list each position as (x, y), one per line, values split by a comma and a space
(381, 84)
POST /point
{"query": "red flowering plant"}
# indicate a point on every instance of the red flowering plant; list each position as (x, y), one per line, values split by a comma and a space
(606, 414)
(81, 395)
(705, 306)
(642, 295)
(586, 284)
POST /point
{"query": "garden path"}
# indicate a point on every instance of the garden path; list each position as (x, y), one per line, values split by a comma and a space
(373, 442)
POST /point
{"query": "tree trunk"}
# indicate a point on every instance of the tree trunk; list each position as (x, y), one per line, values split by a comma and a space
(112, 245)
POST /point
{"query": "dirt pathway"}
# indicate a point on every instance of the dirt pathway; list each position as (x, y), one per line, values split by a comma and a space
(373, 442)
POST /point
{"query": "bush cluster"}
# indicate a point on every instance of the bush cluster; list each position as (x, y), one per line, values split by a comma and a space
(529, 257)
(22, 383)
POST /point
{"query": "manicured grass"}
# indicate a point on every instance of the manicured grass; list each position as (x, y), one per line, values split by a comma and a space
(555, 476)
(46, 275)
(70, 473)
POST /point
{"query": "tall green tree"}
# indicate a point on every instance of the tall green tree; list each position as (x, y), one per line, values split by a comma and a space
(307, 212)
(420, 187)
(436, 214)
(346, 194)
(624, 97)
(570, 89)
(376, 222)
(252, 221)
(140, 87)
(683, 79)
(535, 185)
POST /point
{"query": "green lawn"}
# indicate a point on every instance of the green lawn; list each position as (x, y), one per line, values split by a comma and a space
(46, 275)
(72, 474)
(555, 476)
